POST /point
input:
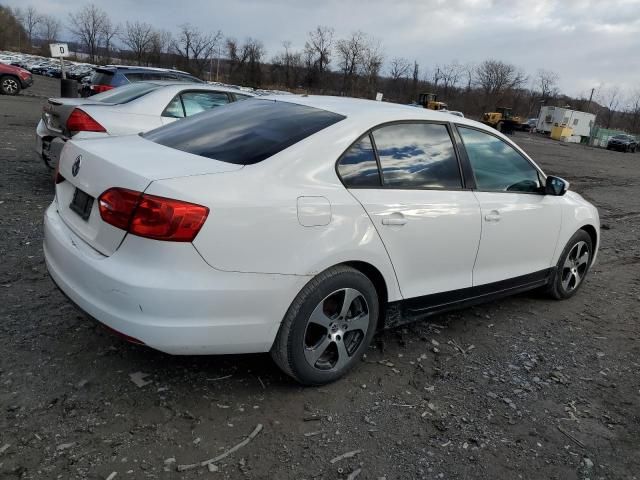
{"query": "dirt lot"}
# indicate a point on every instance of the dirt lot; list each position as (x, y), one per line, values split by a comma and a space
(522, 388)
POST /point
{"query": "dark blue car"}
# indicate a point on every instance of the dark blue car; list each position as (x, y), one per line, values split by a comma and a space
(112, 76)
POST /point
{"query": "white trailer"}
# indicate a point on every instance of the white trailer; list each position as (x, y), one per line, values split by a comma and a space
(580, 122)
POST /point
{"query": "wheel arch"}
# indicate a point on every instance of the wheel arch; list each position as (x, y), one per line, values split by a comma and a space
(593, 234)
(379, 282)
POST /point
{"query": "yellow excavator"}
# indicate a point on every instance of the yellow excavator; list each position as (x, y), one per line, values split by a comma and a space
(502, 120)
(430, 101)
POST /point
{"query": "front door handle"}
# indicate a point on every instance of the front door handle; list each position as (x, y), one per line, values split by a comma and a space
(394, 221)
(493, 216)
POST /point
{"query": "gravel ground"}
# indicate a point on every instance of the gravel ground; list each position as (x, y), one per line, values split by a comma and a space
(521, 388)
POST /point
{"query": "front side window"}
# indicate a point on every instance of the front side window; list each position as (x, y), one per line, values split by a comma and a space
(497, 166)
(417, 155)
(358, 166)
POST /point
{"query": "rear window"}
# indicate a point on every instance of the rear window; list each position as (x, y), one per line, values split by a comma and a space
(126, 93)
(101, 77)
(246, 132)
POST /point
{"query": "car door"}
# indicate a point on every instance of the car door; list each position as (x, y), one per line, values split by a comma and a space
(407, 177)
(191, 102)
(520, 224)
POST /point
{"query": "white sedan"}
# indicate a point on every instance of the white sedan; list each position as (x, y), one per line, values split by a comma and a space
(300, 225)
(129, 109)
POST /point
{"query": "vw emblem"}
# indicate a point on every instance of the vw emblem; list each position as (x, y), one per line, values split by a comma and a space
(76, 165)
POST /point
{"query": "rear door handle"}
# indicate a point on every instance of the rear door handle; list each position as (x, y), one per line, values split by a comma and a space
(493, 216)
(394, 221)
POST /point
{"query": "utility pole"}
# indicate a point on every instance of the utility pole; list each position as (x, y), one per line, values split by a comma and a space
(590, 98)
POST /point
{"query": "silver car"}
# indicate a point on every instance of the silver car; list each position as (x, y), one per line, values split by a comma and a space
(130, 109)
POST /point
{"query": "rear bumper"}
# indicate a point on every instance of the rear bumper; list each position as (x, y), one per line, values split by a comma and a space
(48, 145)
(165, 295)
(619, 147)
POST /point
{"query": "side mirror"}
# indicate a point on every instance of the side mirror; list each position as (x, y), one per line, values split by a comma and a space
(556, 186)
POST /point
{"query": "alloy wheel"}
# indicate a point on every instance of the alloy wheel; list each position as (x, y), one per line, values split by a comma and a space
(336, 329)
(575, 266)
(10, 86)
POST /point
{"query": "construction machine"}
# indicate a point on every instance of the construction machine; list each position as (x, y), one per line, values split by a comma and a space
(430, 101)
(502, 120)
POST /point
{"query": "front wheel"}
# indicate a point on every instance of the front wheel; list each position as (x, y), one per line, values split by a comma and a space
(328, 327)
(572, 267)
(9, 85)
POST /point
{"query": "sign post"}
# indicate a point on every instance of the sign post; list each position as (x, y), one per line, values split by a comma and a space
(60, 50)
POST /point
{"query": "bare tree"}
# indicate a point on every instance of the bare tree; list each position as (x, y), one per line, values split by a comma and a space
(318, 50)
(610, 97)
(50, 28)
(30, 19)
(195, 46)
(399, 68)
(159, 45)
(108, 32)
(350, 53)
(450, 75)
(547, 83)
(494, 77)
(372, 59)
(634, 110)
(140, 38)
(88, 26)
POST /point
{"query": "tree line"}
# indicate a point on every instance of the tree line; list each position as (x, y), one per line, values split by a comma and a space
(352, 65)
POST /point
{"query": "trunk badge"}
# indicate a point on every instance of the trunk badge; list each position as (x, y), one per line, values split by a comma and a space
(76, 165)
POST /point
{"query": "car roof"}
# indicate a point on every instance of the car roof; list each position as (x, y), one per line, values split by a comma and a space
(141, 69)
(369, 111)
(195, 86)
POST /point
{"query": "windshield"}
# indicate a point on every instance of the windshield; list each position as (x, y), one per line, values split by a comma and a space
(126, 93)
(245, 132)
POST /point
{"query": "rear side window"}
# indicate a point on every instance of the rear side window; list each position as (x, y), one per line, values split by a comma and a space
(244, 133)
(125, 93)
(190, 103)
(101, 78)
(196, 102)
(417, 155)
(358, 166)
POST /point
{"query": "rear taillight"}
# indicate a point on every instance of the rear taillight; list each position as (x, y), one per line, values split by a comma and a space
(81, 121)
(100, 88)
(153, 217)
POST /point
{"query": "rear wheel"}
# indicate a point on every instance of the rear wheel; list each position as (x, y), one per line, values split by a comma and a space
(9, 85)
(328, 326)
(572, 267)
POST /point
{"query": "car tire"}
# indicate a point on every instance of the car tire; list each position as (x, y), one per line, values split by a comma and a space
(328, 327)
(9, 85)
(572, 267)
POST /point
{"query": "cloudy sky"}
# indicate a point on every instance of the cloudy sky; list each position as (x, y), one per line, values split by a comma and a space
(588, 43)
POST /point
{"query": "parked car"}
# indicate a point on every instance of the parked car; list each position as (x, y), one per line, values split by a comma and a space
(111, 76)
(622, 143)
(13, 79)
(129, 109)
(301, 224)
(529, 125)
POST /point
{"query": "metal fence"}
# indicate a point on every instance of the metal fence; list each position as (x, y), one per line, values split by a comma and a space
(600, 136)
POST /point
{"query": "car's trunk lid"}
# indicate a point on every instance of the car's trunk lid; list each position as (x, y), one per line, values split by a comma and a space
(57, 110)
(91, 167)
